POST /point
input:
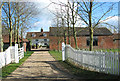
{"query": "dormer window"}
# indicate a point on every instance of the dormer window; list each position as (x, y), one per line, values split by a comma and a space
(33, 35)
(44, 34)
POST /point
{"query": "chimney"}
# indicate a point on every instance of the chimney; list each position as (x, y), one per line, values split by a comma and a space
(41, 29)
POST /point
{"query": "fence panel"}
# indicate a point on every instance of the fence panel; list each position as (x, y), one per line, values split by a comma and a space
(21, 53)
(11, 55)
(2, 59)
(12, 52)
(7, 56)
(107, 62)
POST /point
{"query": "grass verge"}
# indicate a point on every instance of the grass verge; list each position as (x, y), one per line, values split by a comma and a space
(75, 70)
(8, 69)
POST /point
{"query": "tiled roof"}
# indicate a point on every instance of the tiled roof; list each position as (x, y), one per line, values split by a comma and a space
(37, 35)
(80, 31)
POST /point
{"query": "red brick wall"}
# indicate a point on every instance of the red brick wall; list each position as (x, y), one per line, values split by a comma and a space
(116, 44)
(104, 42)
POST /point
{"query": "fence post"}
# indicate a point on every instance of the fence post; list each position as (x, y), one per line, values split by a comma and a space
(63, 51)
(16, 54)
(23, 51)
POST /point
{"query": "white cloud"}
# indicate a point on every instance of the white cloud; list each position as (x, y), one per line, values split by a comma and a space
(36, 23)
(113, 23)
(112, 20)
(46, 17)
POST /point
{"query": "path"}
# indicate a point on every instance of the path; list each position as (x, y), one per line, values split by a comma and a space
(41, 65)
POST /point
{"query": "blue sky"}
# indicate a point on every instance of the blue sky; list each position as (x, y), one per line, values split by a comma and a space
(45, 18)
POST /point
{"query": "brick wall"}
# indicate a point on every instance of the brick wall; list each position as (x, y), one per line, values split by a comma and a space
(104, 42)
(24, 44)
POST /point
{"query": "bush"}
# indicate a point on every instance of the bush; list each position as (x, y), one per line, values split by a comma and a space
(37, 46)
(34, 45)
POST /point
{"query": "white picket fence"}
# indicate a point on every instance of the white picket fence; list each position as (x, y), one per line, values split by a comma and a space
(11, 55)
(21, 53)
(107, 62)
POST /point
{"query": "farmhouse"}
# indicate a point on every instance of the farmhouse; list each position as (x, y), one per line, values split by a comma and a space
(38, 38)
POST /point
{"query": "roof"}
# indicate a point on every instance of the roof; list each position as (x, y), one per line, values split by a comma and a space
(6, 39)
(116, 36)
(37, 35)
(80, 31)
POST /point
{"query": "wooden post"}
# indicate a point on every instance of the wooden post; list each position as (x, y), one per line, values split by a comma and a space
(63, 51)
(16, 54)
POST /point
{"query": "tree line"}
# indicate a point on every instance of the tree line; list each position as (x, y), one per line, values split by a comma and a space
(15, 20)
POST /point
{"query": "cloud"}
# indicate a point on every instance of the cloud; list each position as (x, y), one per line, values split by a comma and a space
(36, 23)
(112, 22)
(46, 17)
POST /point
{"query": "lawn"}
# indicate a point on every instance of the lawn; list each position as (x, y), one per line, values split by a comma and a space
(6, 70)
(107, 50)
(80, 72)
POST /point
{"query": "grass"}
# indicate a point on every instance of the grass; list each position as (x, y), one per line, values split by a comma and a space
(106, 50)
(8, 69)
(111, 50)
(75, 70)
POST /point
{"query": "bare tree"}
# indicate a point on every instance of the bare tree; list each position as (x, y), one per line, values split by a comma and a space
(69, 16)
(86, 13)
(17, 14)
(1, 40)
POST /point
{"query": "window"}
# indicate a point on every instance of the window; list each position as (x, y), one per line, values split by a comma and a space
(45, 44)
(95, 41)
(44, 34)
(45, 40)
(36, 39)
(33, 35)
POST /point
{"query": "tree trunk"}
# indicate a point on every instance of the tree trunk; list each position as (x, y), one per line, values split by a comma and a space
(68, 24)
(58, 45)
(15, 32)
(1, 40)
(68, 35)
(65, 37)
(73, 23)
(18, 41)
(18, 25)
(21, 37)
(90, 27)
(10, 25)
(75, 40)
(91, 39)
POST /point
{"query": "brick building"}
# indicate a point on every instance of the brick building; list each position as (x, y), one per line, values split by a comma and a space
(38, 38)
(6, 42)
(103, 38)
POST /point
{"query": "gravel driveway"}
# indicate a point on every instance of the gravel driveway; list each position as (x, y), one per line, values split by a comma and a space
(41, 65)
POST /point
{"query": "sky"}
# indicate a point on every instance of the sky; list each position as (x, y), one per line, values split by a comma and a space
(45, 18)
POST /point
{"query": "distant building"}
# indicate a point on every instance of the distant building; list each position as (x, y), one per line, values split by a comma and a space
(38, 38)
(6, 42)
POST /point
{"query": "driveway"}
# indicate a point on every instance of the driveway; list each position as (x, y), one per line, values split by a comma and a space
(41, 66)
